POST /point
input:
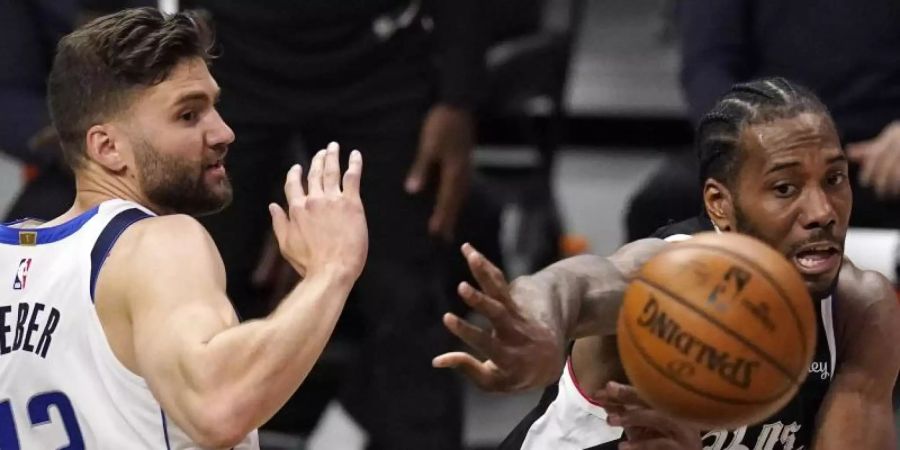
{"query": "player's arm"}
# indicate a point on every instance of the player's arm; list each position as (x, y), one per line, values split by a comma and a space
(216, 379)
(583, 293)
(857, 411)
(535, 316)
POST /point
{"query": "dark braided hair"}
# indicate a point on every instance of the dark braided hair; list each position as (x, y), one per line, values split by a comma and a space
(752, 103)
(98, 66)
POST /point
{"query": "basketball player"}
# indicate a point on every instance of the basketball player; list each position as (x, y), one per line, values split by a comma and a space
(115, 330)
(773, 168)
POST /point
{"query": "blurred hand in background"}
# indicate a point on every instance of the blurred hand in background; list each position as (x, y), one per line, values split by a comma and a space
(879, 161)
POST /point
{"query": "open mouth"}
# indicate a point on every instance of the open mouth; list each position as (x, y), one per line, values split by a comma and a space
(216, 165)
(816, 259)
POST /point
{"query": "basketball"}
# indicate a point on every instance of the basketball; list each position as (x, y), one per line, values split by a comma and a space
(718, 329)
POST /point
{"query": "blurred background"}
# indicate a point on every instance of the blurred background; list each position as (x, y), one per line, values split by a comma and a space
(581, 108)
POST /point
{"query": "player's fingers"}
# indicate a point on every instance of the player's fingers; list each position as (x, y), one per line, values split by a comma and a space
(489, 277)
(316, 169)
(488, 307)
(640, 418)
(418, 172)
(646, 419)
(293, 184)
(480, 373)
(657, 443)
(610, 407)
(501, 317)
(450, 195)
(331, 177)
(453, 359)
(610, 404)
(476, 338)
(353, 175)
(633, 434)
(279, 222)
(624, 394)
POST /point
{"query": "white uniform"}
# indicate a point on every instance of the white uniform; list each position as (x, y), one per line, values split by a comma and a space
(61, 386)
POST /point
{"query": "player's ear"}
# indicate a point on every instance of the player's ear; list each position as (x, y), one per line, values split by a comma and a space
(719, 203)
(103, 146)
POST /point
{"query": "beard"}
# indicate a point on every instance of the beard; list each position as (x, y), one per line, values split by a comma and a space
(745, 226)
(176, 185)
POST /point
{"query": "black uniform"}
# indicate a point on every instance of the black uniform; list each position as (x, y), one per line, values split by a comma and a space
(792, 428)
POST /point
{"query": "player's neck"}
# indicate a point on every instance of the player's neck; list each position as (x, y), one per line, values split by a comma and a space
(91, 191)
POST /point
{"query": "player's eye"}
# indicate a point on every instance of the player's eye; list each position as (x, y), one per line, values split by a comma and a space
(836, 178)
(188, 116)
(785, 189)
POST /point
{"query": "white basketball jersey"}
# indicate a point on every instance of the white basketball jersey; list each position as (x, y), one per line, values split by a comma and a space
(61, 386)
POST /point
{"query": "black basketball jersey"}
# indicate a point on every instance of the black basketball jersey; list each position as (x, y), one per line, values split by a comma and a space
(550, 424)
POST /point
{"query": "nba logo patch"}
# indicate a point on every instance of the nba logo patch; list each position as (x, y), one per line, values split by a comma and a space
(22, 274)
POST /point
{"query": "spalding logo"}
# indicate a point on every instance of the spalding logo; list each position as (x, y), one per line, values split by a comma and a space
(736, 371)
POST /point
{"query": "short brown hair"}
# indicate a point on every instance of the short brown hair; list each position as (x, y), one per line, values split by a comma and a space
(99, 65)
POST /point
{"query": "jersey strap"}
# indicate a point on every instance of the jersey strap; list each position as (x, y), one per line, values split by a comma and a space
(108, 238)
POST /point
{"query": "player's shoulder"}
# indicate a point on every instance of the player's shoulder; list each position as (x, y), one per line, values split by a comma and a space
(156, 252)
(175, 231)
(643, 249)
(866, 303)
(861, 289)
(683, 228)
(867, 317)
(177, 240)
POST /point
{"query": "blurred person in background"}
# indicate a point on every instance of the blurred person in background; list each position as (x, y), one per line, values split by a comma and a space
(848, 53)
(398, 80)
(29, 30)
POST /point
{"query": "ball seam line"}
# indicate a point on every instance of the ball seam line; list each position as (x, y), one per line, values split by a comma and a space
(689, 387)
(765, 274)
(722, 327)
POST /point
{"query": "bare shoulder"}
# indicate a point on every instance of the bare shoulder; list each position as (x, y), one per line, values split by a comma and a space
(631, 256)
(867, 311)
(176, 230)
(641, 246)
(168, 236)
(859, 290)
(163, 246)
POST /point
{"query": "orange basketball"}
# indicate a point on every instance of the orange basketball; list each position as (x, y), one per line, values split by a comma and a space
(718, 329)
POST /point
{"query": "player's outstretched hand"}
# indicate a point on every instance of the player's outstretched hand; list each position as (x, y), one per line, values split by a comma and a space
(522, 352)
(324, 228)
(645, 428)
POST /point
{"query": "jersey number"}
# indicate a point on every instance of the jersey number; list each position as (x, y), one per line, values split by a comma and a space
(39, 413)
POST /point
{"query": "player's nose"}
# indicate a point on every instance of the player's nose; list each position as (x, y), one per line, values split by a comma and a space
(818, 212)
(220, 134)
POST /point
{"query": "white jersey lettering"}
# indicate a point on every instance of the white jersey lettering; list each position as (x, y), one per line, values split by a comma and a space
(61, 386)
